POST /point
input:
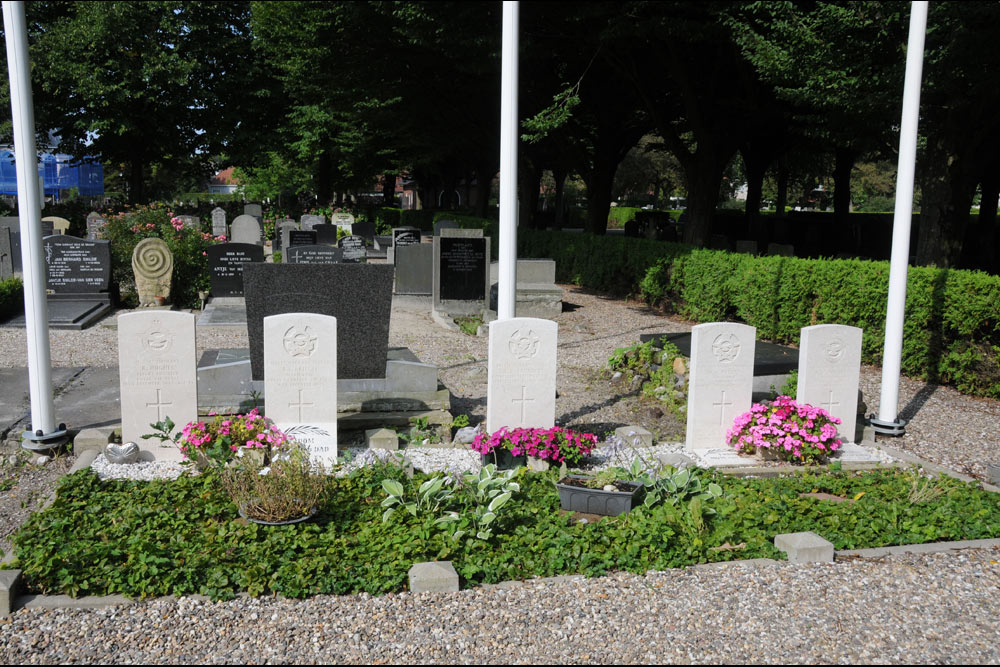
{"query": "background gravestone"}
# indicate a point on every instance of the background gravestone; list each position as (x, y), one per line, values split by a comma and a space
(225, 266)
(461, 271)
(721, 381)
(358, 295)
(246, 229)
(353, 248)
(403, 236)
(153, 266)
(78, 273)
(829, 371)
(300, 380)
(313, 254)
(95, 223)
(192, 221)
(281, 231)
(342, 219)
(254, 210)
(521, 384)
(364, 229)
(301, 237)
(414, 268)
(310, 221)
(157, 376)
(444, 224)
(59, 225)
(326, 233)
(219, 222)
(13, 226)
(48, 227)
(6, 260)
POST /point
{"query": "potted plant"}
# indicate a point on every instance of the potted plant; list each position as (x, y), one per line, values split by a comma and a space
(787, 430)
(289, 490)
(603, 494)
(507, 448)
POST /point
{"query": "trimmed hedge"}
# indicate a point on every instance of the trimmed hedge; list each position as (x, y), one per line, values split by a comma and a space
(952, 326)
(11, 298)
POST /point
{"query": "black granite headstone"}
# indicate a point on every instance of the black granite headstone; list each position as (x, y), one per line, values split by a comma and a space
(313, 254)
(358, 295)
(353, 248)
(463, 267)
(77, 265)
(402, 236)
(301, 237)
(326, 233)
(225, 266)
(364, 229)
(48, 228)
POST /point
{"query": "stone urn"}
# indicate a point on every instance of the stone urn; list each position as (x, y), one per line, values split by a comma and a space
(153, 266)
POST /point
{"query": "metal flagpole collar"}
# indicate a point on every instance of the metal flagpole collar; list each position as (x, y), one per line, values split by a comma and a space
(37, 441)
(883, 427)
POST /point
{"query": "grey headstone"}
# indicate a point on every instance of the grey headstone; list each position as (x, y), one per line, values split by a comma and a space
(254, 210)
(444, 224)
(326, 233)
(312, 254)
(358, 295)
(781, 250)
(219, 222)
(342, 219)
(281, 231)
(353, 248)
(414, 268)
(192, 221)
(746, 246)
(246, 229)
(310, 221)
(48, 228)
(95, 223)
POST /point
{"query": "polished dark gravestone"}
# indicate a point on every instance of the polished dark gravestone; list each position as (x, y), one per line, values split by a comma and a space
(405, 236)
(769, 358)
(301, 237)
(353, 248)
(225, 266)
(313, 254)
(365, 229)
(326, 233)
(462, 268)
(358, 295)
(77, 266)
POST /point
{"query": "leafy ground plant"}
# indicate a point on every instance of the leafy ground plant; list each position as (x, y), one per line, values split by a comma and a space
(185, 537)
(291, 487)
(469, 324)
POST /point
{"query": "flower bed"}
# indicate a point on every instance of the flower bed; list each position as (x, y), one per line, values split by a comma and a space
(791, 431)
(556, 444)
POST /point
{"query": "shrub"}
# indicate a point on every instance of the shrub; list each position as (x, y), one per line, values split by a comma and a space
(290, 487)
(789, 430)
(11, 298)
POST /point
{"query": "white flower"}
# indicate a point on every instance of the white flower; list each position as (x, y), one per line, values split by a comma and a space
(264, 471)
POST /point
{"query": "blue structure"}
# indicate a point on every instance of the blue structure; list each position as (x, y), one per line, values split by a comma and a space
(59, 172)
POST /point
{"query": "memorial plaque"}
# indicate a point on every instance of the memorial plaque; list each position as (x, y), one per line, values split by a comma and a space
(77, 265)
(313, 254)
(463, 265)
(225, 266)
(353, 248)
(326, 233)
(301, 237)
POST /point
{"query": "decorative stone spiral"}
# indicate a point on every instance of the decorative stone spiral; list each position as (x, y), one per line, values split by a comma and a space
(152, 260)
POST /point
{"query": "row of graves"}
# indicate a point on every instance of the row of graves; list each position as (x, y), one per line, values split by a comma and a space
(313, 357)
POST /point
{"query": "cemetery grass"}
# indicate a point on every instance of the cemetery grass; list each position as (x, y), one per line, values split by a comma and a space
(144, 539)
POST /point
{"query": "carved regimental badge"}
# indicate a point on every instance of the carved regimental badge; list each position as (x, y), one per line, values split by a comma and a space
(155, 340)
(835, 350)
(726, 347)
(300, 342)
(523, 344)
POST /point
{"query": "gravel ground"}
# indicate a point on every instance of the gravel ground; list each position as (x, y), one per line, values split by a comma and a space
(930, 608)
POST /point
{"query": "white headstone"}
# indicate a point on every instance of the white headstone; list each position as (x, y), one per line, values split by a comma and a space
(219, 221)
(246, 229)
(829, 371)
(157, 375)
(521, 387)
(721, 381)
(342, 218)
(300, 380)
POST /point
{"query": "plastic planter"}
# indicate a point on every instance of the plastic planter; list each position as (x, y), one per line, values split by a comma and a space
(596, 501)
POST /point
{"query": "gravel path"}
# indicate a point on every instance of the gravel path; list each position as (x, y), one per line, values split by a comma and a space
(930, 608)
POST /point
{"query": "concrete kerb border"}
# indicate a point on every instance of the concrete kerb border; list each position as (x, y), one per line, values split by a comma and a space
(10, 601)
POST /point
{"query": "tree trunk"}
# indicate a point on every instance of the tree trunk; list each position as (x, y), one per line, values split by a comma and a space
(944, 207)
(843, 164)
(324, 179)
(136, 181)
(389, 189)
(560, 177)
(484, 186)
(781, 202)
(755, 166)
(599, 183)
(704, 176)
(988, 221)
(527, 194)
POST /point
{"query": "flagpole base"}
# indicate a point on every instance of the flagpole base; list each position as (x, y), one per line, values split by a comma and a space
(37, 441)
(892, 428)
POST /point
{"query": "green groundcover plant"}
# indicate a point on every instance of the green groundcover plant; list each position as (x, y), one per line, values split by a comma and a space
(185, 537)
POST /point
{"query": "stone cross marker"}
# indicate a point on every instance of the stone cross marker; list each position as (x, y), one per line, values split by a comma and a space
(300, 380)
(246, 229)
(521, 388)
(829, 371)
(153, 267)
(721, 381)
(156, 365)
(219, 222)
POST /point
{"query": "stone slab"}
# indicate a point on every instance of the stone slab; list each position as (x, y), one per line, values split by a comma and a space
(69, 314)
(92, 439)
(805, 547)
(382, 438)
(769, 358)
(433, 577)
(84, 397)
(521, 383)
(533, 300)
(156, 358)
(629, 435)
(414, 268)
(10, 585)
(358, 295)
(529, 271)
(223, 315)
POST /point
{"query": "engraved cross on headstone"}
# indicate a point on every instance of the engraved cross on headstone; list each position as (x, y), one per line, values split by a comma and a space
(301, 404)
(522, 401)
(828, 406)
(722, 408)
(159, 404)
